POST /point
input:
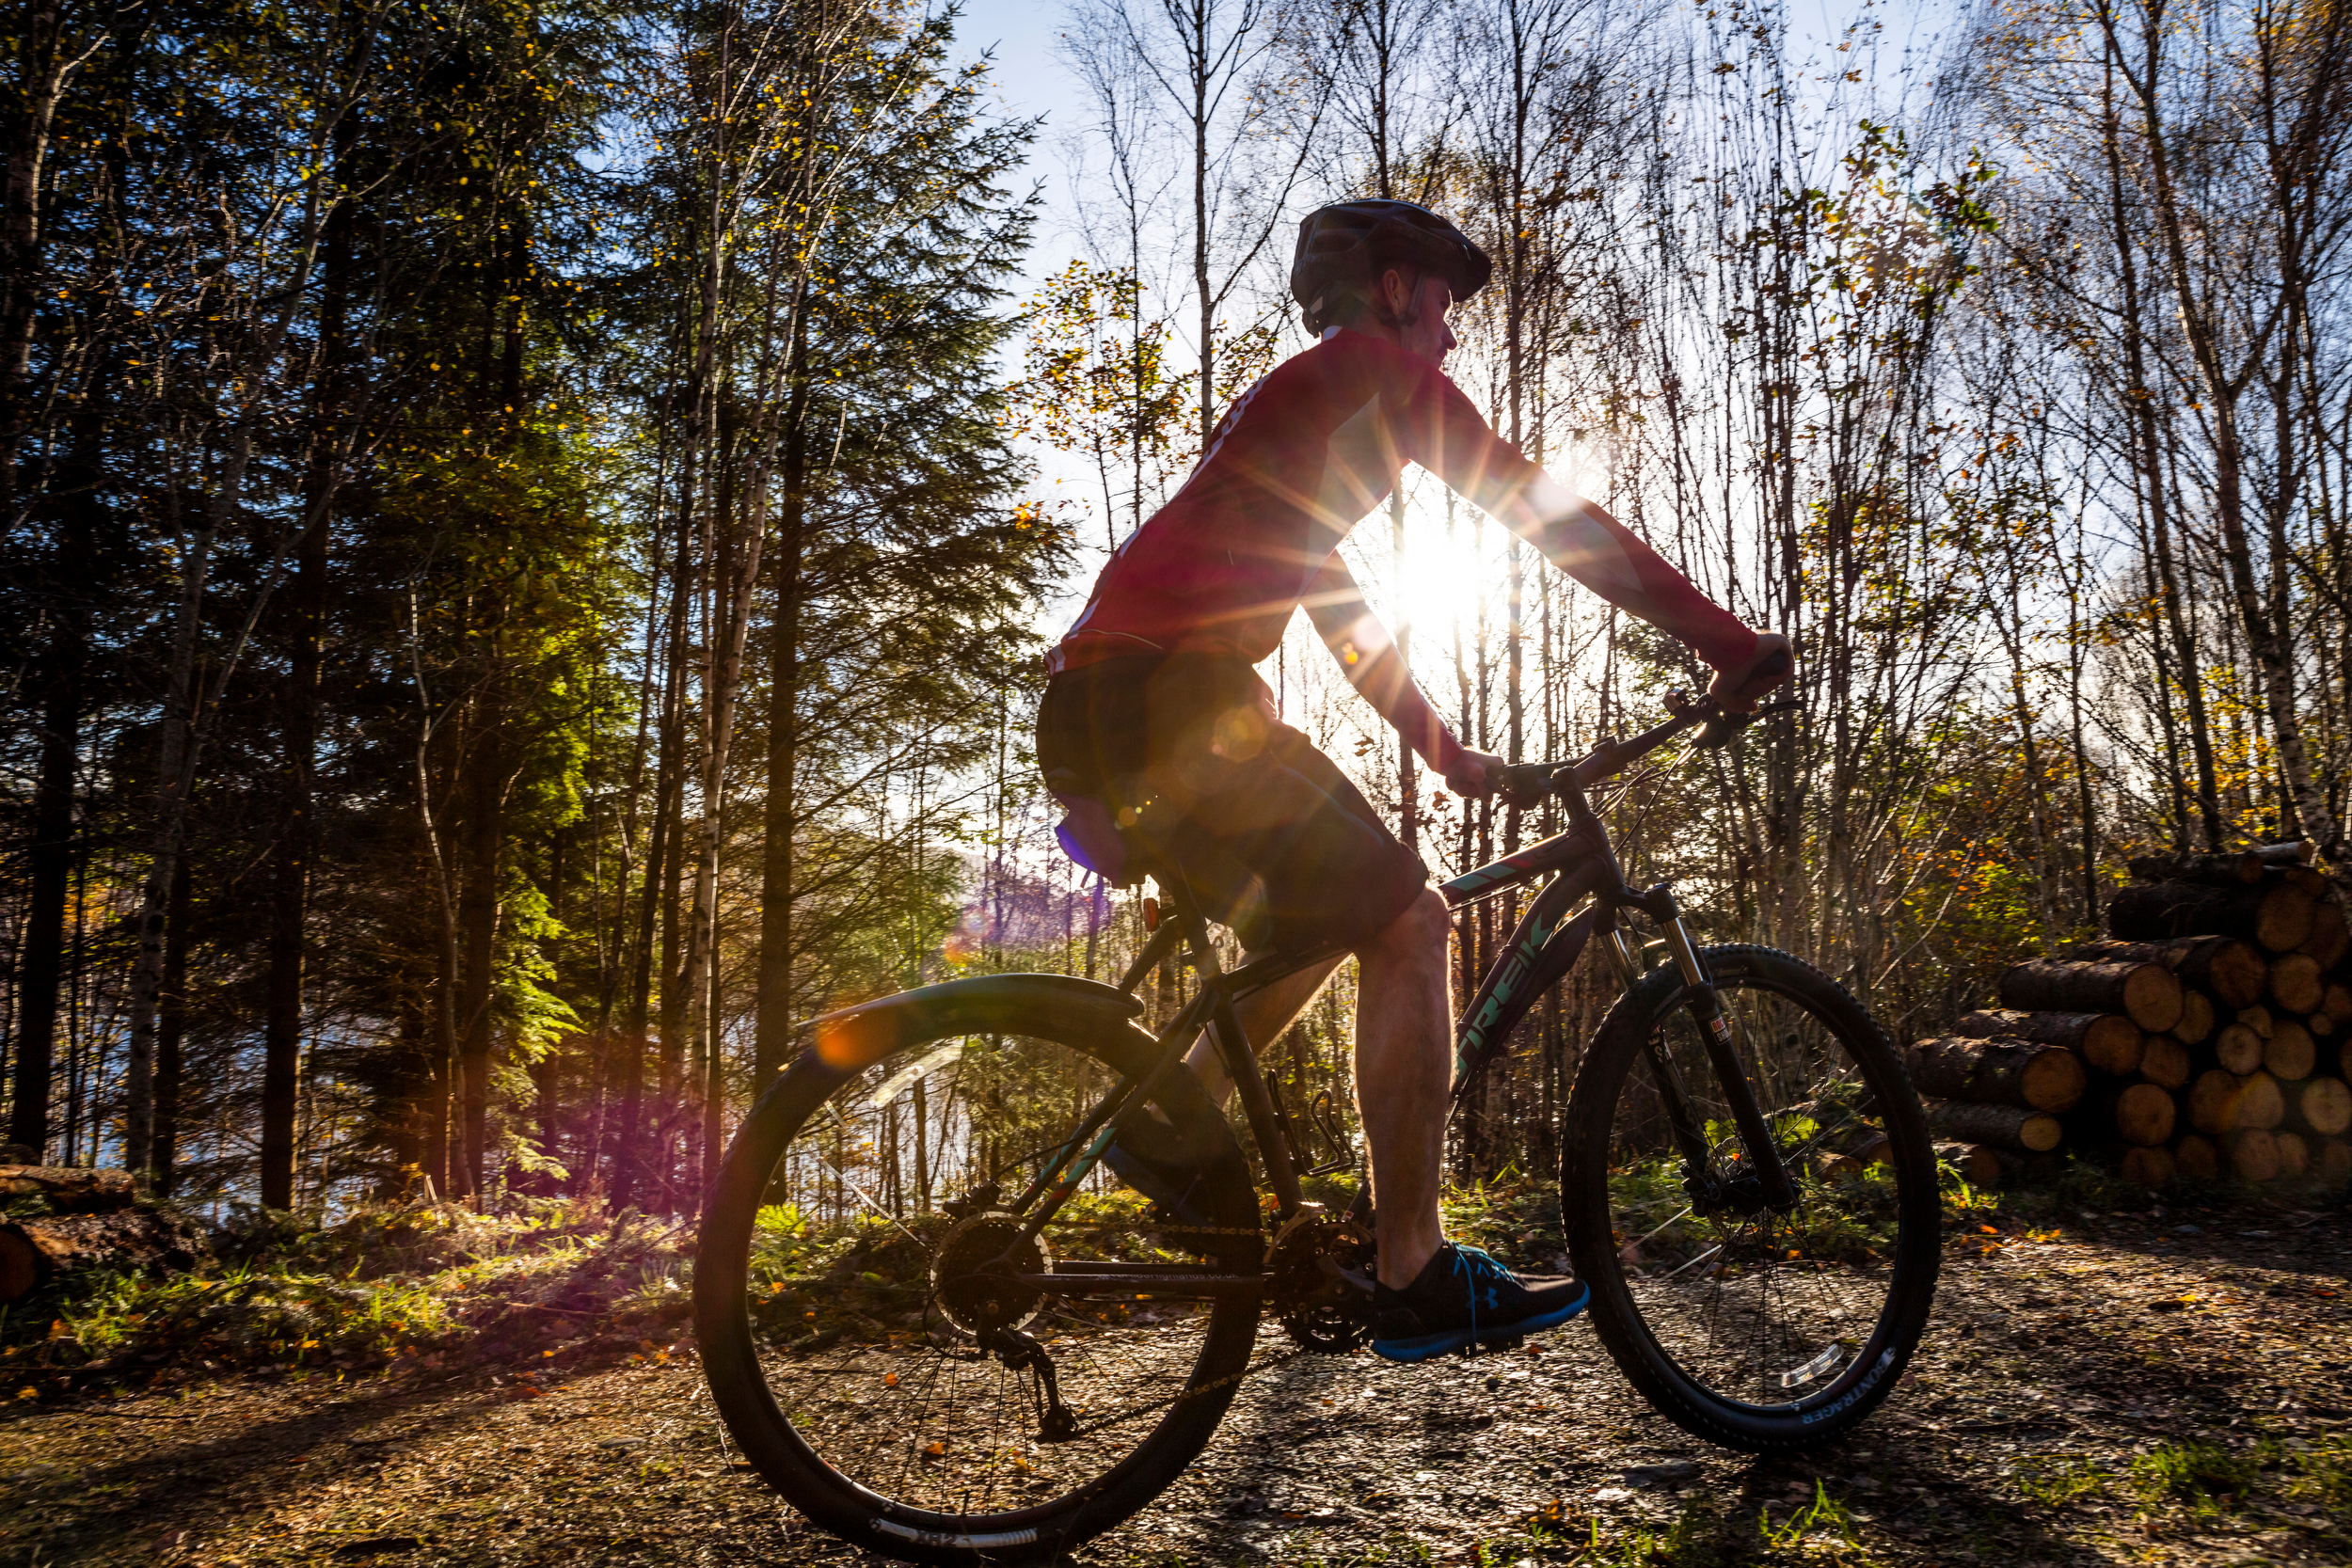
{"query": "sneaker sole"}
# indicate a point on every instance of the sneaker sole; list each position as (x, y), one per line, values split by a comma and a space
(1422, 1347)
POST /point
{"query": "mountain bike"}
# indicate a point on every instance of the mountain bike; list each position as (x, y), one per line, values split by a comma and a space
(1747, 1187)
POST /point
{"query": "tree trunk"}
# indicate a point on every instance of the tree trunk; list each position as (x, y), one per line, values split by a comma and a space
(49, 855)
(282, 1032)
(171, 1029)
(478, 921)
(772, 1030)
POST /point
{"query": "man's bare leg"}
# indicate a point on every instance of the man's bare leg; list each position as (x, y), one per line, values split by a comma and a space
(1404, 1056)
(1403, 1073)
(1263, 1015)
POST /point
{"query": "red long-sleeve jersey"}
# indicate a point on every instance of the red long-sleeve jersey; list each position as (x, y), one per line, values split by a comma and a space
(1302, 456)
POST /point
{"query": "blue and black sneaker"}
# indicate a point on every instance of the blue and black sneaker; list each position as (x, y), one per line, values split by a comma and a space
(1463, 1297)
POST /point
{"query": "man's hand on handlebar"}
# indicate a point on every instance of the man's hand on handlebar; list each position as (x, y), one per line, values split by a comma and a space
(1473, 774)
(1739, 689)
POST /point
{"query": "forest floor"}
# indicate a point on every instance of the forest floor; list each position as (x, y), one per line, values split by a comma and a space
(2169, 1386)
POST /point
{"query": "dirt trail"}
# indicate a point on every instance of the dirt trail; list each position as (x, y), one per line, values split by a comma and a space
(2044, 1424)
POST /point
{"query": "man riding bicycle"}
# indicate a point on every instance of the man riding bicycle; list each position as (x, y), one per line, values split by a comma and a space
(1155, 723)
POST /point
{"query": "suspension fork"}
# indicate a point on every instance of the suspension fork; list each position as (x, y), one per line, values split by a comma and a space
(1715, 1031)
(1689, 1137)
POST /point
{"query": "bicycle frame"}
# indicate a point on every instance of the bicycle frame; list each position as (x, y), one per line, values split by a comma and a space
(1547, 942)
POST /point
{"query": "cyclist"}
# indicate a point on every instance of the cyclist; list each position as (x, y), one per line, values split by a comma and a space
(1155, 722)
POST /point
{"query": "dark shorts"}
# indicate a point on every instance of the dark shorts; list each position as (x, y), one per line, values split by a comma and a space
(1272, 838)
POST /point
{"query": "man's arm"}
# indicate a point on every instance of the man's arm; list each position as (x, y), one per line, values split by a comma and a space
(1368, 655)
(1447, 436)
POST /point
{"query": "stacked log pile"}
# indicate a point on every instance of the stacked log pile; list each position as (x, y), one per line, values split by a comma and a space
(93, 1220)
(2209, 1035)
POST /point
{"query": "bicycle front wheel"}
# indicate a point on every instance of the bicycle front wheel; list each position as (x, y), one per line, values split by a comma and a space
(889, 1352)
(1758, 1329)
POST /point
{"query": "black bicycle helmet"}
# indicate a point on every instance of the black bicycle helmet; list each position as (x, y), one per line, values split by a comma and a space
(1343, 246)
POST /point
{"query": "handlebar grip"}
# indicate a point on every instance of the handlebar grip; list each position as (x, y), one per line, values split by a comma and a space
(1722, 730)
(1525, 784)
(1725, 727)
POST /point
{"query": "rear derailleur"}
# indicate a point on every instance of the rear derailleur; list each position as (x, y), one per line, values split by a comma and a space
(1055, 1423)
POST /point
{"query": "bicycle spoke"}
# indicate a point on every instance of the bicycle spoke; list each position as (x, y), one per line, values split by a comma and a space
(944, 1371)
(1760, 1307)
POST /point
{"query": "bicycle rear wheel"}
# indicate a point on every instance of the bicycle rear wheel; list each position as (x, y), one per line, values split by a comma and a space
(869, 1345)
(1756, 1329)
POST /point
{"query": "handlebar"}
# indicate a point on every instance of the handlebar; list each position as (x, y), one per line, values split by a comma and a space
(1529, 782)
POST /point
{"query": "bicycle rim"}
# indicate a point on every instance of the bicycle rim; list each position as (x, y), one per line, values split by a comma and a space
(900, 1393)
(1758, 1326)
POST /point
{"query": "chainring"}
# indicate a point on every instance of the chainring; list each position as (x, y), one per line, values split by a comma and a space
(972, 1282)
(1318, 1278)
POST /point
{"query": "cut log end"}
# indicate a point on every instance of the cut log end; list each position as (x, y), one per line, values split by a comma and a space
(2197, 1019)
(2290, 1053)
(2148, 1168)
(2166, 1061)
(2295, 982)
(2221, 1102)
(2011, 1128)
(2273, 913)
(1979, 1165)
(2238, 1049)
(2196, 1158)
(2322, 1106)
(2250, 1154)
(2145, 1114)
(2294, 1156)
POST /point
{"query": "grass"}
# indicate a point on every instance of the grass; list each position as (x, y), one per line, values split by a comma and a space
(396, 1286)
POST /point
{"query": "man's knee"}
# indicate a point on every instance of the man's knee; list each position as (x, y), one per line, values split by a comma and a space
(1416, 934)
